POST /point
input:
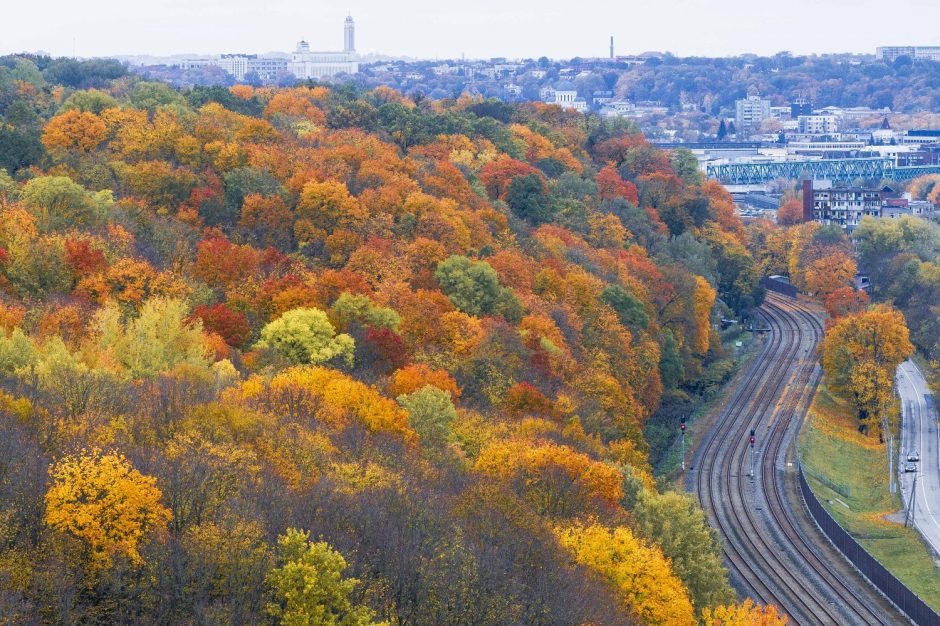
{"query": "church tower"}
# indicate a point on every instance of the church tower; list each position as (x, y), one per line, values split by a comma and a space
(349, 35)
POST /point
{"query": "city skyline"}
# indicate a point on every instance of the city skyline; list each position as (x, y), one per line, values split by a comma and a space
(424, 29)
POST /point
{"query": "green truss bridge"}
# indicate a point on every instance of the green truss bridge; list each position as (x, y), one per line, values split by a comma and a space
(844, 170)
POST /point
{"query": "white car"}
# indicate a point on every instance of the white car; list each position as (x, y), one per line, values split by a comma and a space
(910, 467)
(913, 457)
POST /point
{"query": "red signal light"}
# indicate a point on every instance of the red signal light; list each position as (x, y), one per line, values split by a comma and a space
(752, 441)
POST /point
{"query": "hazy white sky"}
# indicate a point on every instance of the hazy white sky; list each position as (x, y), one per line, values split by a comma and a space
(478, 28)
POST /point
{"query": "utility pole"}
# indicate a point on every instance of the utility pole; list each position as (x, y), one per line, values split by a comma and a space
(891, 485)
(682, 430)
(753, 452)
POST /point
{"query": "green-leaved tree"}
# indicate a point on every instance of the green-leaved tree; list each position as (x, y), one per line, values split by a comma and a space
(307, 336)
(308, 586)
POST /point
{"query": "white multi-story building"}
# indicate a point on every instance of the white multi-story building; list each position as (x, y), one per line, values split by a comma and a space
(240, 65)
(890, 53)
(818, 124)
(235, 64)
(750, 113)
(306, 63)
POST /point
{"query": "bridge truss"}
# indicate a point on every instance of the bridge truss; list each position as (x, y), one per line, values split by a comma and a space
(842, 170)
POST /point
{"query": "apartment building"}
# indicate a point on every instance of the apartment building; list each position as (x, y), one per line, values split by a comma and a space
(750, 113)
(843, 206)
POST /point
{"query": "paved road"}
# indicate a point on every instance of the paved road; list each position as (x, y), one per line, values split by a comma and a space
(919, 433)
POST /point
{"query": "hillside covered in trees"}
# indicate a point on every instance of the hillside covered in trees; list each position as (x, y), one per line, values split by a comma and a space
(833, 80)
(320, 356)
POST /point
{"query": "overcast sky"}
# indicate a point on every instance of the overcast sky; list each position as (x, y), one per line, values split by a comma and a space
(477, 28)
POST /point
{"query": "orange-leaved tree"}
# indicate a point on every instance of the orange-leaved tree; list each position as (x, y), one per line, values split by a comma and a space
(790, 212)
(74, 131)
(829, 273)
(846, 300)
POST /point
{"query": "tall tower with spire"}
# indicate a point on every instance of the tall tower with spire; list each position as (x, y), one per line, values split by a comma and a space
(611, 47)
(349, 35)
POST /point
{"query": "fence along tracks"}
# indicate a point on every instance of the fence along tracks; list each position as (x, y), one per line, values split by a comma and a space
(767, 551)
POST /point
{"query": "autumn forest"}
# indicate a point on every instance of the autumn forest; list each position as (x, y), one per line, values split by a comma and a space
(319, 355)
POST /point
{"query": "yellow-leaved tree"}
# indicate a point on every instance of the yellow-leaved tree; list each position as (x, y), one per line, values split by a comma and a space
(745, 614)
(556, 479)
(100, 499)
(860, 354)
(703, 299)
(641, 575)
(328, 396)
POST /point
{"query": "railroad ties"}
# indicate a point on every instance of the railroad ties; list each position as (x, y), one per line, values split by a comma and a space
(744, 483)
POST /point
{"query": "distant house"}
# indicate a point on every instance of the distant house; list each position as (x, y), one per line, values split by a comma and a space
(445, 69)
(625, 108)
(599, 98)
(506, 68)
(898, 207)
(618, 108)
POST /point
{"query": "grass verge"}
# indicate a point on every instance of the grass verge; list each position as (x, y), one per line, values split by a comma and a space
(848, 472)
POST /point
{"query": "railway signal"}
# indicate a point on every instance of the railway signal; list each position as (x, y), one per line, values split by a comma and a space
(753, 452)
(682, 430)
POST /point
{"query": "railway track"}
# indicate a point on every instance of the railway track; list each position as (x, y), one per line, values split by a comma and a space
(770, 554)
